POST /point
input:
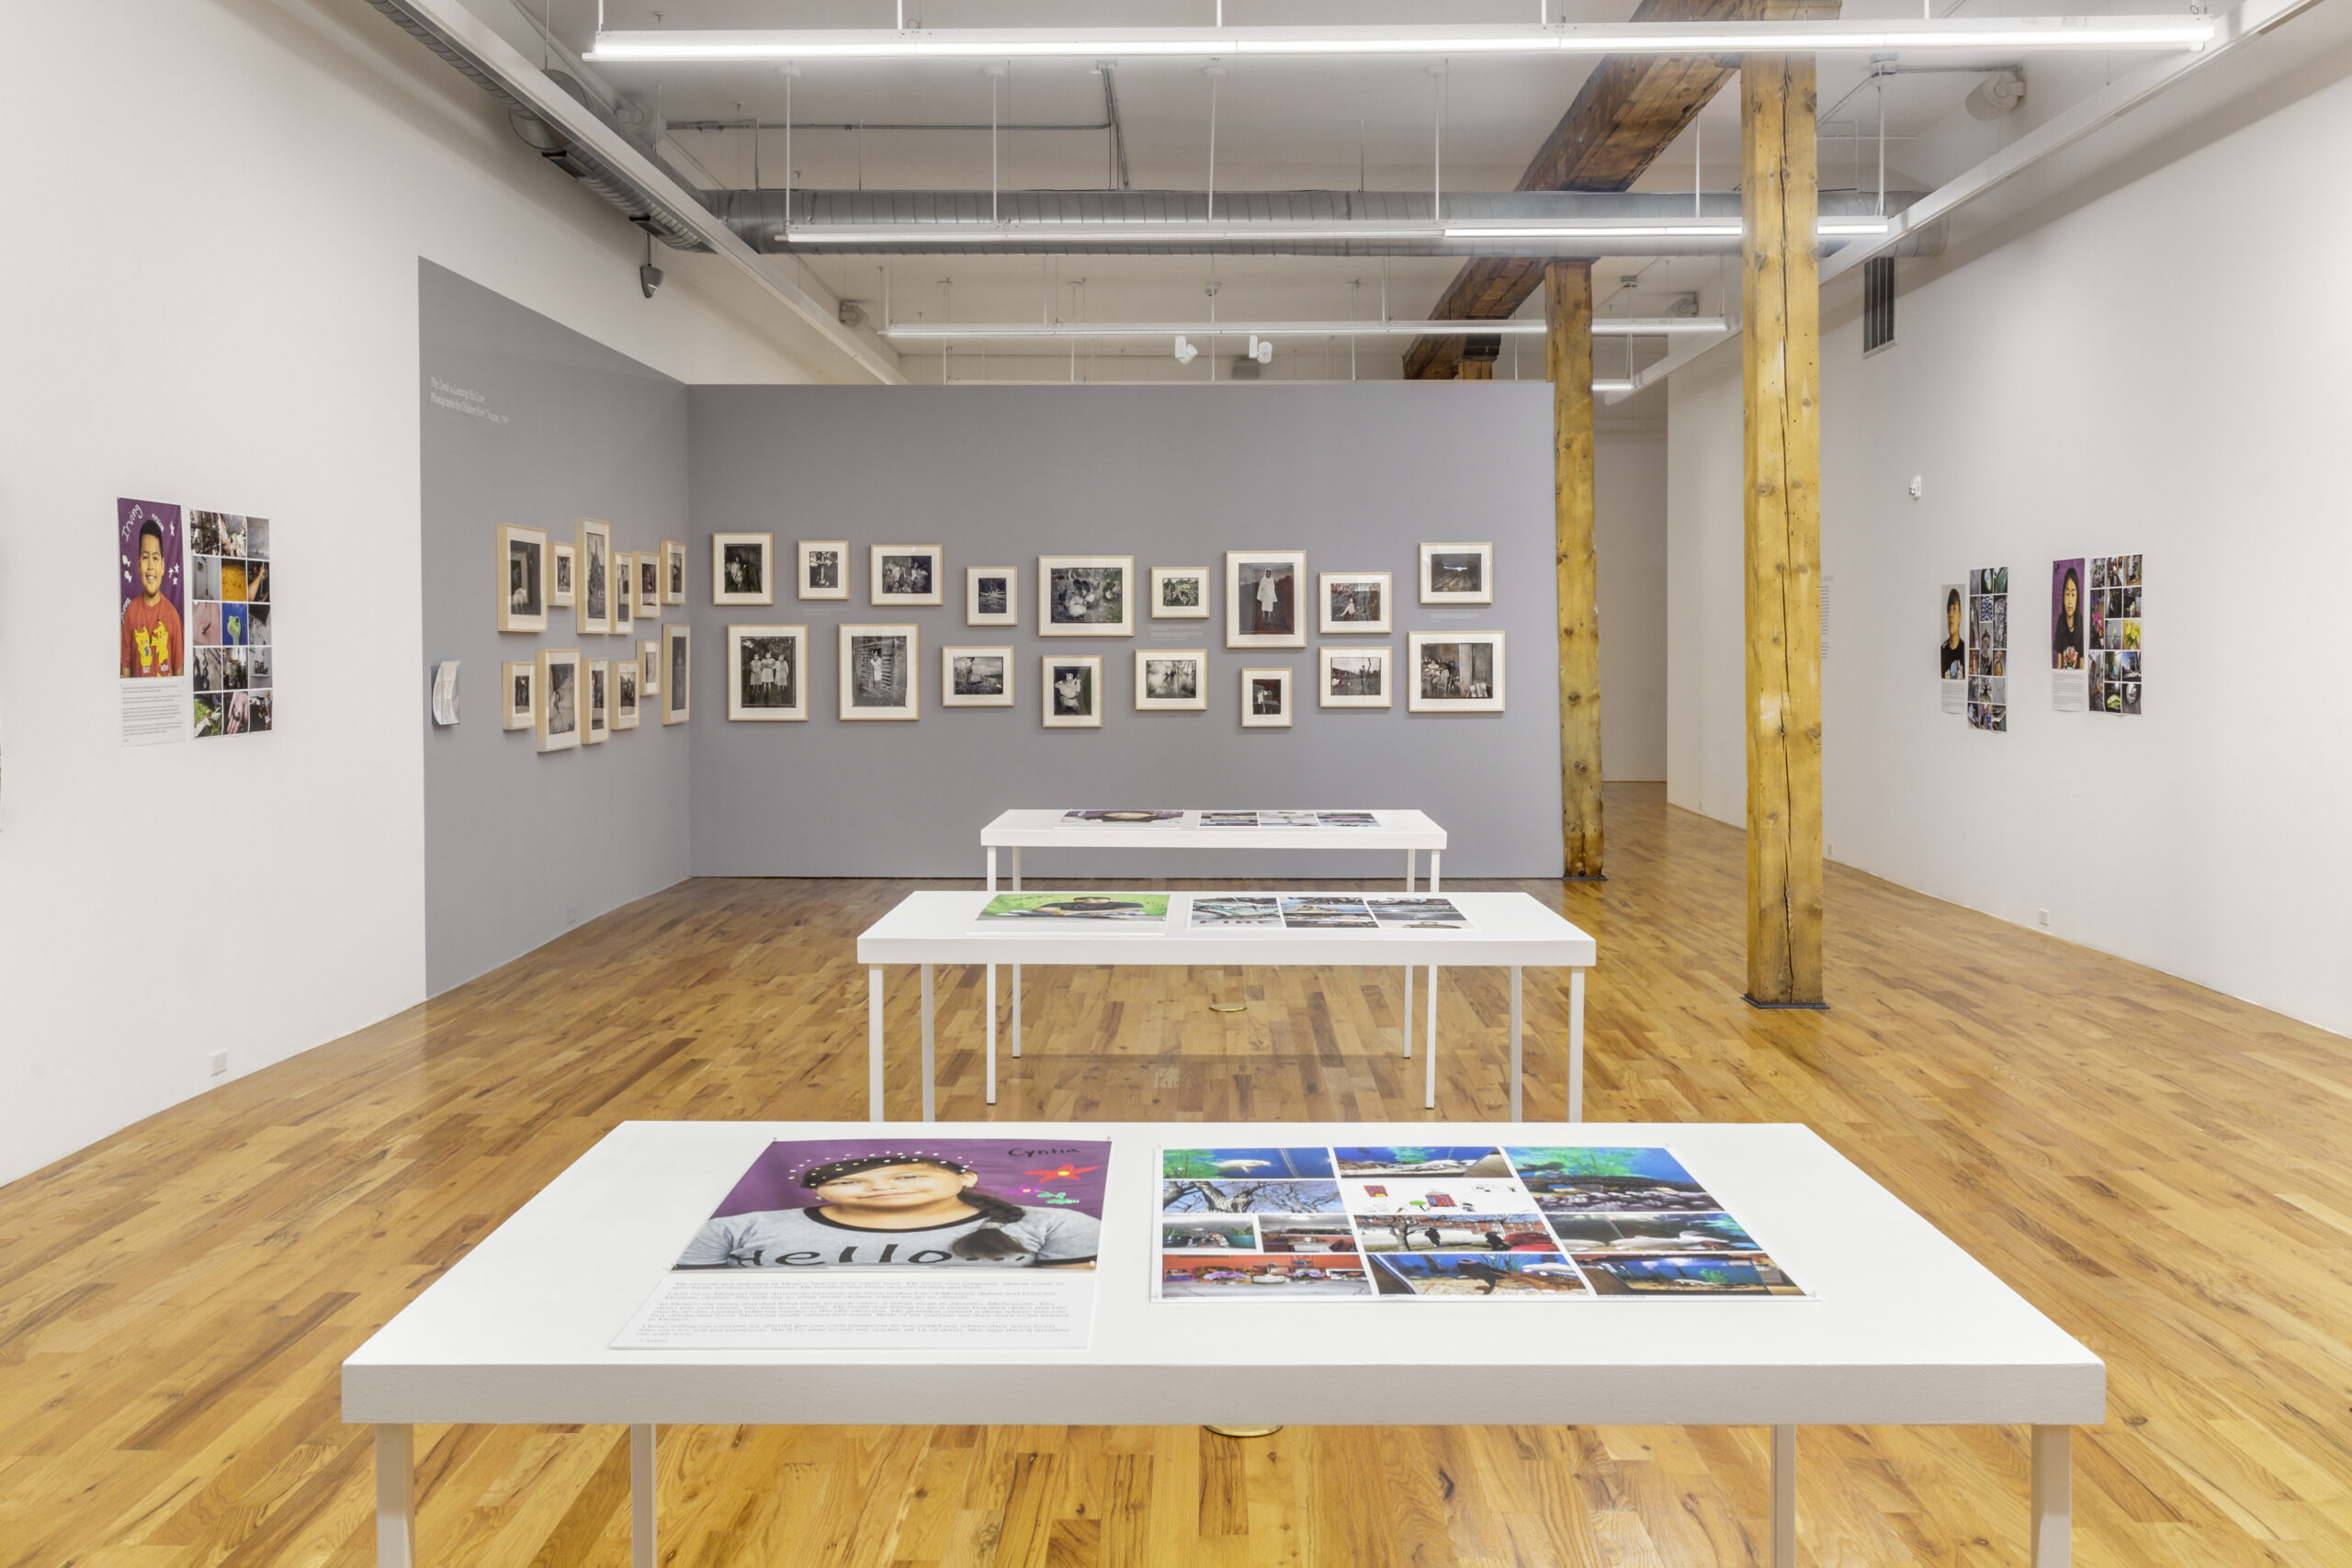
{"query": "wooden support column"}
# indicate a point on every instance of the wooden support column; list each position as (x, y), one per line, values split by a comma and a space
(1781, 366)
(1568, 356)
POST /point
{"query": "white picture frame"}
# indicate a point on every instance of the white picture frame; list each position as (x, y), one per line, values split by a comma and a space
(1342, 675)
(557, 723)
(976, 677)
(1188, 586)
(1266, 699)
(629, 697)
(1258, 614)
(592, 615)
(1161, 683)
(1457, 574)
(742, 569)
(1064, 705)
(1354, 602)
(767, 674)
(1437, 661)
(673, 572)
(677, 671)
(624, 592)
(649, 665)
(823, 569)
(596, 701)
(522, 579)
(647, 600)
(519, 692)
(1075, 596)
(991, 596)
(891, 689)
(563, 574)
(905, 576)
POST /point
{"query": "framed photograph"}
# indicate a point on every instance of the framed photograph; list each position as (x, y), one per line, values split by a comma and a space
(596, 701)
(624, 592)
(1457, 574)
(522, 579)
(908, 574)
(594, 611)
(991, 596)
(878, 672)
(976, 677)
(824, 569)
(1264, 598)
(739, 569)
(1073, 693)
(767, 673)
(557, 722)
(1085, 596)
(1180, 594)
(674, 572)
(561, 565)
(1172, 680)
(649, 665)
(1352, 677)
(677, 663)
(624, 693)
(1353, 601)
(1265, 699)
(1455, 671)
(647, 600)
(519, 682)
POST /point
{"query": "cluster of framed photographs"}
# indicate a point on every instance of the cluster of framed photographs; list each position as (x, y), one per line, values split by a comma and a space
(565, 697)
(567, 700)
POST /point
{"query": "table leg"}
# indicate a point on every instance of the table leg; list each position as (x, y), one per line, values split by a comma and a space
(1409, 871)
(1429, 1046)
(1575, 1044)
(643, 1551)
(1515, 1037)
(991, 868)
(395, 1496)
(873, 1043)
(992, 1034)
(1784, 1498)
(1433, 871)
(2054, 1496)
(1016, 1010)
(1016, 868)
(929, 1084)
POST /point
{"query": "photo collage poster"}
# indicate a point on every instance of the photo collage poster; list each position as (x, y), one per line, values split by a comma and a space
(2113, 656)
(196, 653)
(1952, 649)
(2069, 622)
(1478, 1223)
(150, 619)
(1988, 648)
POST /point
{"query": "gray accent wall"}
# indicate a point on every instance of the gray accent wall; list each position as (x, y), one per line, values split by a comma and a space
(1356, 476)
(520, 846)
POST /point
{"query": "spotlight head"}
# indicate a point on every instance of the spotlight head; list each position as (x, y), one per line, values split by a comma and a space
(1261, 349)
(1185, 352)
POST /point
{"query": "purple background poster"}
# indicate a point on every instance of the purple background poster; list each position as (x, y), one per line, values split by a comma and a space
(2068, 642)
(129, 518)
(1036, 1173)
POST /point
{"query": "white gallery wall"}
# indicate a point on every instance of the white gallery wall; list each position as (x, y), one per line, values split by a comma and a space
(219, 307)
(2158, 372)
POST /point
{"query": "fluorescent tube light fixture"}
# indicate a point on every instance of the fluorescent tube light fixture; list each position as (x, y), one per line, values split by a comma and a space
(1602, 326)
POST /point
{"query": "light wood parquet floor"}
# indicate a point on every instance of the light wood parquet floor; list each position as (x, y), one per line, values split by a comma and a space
(2162, 1170)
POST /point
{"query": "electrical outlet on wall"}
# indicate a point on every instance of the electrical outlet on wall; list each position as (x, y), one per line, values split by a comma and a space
(219, 1062)
(2044, 916)
(571, 913)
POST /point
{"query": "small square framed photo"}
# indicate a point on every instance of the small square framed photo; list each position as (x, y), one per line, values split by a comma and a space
(674, 572)
(824, 569)
(1353, 601)
(1455, 671)
(1073, 693)
(593, 613)
(522, 579)
(767, 673)
(1180, 594)
(1265, 699)
(625, 700)
(741, 569)
(558, 723)
(1457, 574)
(1086, 596)
(598, 703)
(562, 563)
(1265, 599)
(649, 665)
(677, 664)
(519, 684)
(991, 596)
(878, 678)
(976, 677)
(1172, 680)
(908, 574)
(1352, 677)
(623, 594)
(648, 597)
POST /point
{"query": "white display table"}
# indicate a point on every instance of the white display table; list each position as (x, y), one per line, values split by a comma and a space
(1903, 1327)
(1513, 932)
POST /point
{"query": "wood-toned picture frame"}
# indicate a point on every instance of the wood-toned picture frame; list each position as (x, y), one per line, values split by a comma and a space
(1070, 691)
(647, 600)
(1266, 699)
(563, 574)
(1454, 673)
(1180, 594)
(592, 614)
(742, 569)
(880, 678)
(991, 596)
(1458, 574)
(522, 579)
(626, 697)
(906, 576)
(623, 594)
(767, 674)
(649, 664)
(596, 705)
(976, 677)
(1354, 677)
(1172, 680)
(556, 721)
(1265, 599)
(1354, 601)
(824, 570)
(673, 572)
(1086, 596)
(519, 686)
(677, 671)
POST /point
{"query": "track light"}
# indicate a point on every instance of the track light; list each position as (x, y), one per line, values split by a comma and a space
(1185, 352)
(1260, 350)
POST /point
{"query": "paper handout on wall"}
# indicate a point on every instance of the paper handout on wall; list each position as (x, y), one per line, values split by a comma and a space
(195, 654)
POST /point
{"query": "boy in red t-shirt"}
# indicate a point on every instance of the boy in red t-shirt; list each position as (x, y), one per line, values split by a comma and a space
(150, 626)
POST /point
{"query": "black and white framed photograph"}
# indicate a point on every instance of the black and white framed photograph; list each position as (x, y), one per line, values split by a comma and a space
(1265, 699)
(592, 612)
(824, 569)
(624, 693)
(649, 665)
(908, 575)
(519, 684)
(1353, 601)
(674, 572)
(991, 596)
(647, 598)
(1180, 594)
(1352, 677)
(562, 565)
(596, 701)
(522, 579)
(623, 594)
(1073, 693)
(1454, 671)
(1457, 574)
(976, 677)
(559, 692)
(1086, 596)
(1265, 599)
(1172, 680)
(677, 664)
(878, 678)
(739, 568)
(767, 673)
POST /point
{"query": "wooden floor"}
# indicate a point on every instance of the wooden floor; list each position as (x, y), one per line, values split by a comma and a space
(2161, 1169)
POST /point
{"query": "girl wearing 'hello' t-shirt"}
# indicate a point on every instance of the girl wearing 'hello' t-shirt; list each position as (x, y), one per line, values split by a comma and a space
(897, 1208)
